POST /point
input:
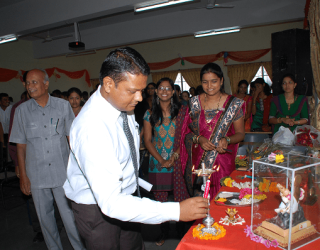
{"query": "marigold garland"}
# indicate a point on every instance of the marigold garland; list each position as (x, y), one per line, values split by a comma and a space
(258, 197)
(197, 233)
(222, 200)
(273, 187)
(264, 186)
(228, 182)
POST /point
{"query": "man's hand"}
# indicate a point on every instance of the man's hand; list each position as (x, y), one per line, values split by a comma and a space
(193, 209)
(25, 185)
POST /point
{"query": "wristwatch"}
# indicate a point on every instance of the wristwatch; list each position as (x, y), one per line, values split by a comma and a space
(227, 139)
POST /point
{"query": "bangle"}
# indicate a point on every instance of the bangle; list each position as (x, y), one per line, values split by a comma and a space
(227, 139)
(298, 122)
(194, 139)
(198, 137)
(175, 155)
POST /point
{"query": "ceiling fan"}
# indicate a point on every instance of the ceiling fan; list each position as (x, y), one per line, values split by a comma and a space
(211, 4)
(49, 38)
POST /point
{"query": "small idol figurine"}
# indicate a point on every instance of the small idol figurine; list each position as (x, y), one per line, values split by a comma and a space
(283, 211)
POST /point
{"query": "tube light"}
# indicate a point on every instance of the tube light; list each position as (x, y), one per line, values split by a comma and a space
(216, 32)
(157, 4)
(8, 38)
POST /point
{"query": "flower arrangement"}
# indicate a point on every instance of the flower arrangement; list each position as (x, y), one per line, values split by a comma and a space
(256, 197)
(248, 191)
(226, 181)
(197, 233)
(259, 239)
(264, 186)
(273, 187)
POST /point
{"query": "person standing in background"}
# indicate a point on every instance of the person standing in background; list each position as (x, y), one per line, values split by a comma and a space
(5, 111)
(40, 128)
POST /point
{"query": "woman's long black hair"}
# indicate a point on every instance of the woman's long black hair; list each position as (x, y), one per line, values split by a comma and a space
(156, 117)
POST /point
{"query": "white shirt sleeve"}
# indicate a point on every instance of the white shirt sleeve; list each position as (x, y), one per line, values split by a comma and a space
(109, 177)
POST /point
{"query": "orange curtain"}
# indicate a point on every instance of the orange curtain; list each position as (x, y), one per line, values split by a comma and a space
(158, 75)
(239, 56)
(240, 72)
(8, 74)
(192, 77)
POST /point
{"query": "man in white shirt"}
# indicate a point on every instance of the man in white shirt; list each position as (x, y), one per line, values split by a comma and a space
(101, 174)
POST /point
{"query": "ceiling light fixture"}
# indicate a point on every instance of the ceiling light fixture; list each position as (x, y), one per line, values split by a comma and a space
(8, 38)
(157, 4)
(217, 32)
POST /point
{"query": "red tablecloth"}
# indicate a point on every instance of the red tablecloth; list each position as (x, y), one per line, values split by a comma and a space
(235, 237)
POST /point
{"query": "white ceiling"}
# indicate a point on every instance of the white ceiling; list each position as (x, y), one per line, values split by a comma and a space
(111, 23)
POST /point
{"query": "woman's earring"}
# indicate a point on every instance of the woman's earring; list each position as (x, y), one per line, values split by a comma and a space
(171, 100)
(158, 100)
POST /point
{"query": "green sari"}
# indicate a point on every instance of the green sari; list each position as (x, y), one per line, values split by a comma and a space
(298, 110)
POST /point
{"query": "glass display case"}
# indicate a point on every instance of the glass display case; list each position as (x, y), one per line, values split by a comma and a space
(291, 213)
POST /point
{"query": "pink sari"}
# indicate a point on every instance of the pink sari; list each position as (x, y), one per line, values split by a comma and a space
(221, 125)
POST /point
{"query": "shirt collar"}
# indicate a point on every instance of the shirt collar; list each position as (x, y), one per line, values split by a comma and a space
(111, 112)
(50, 103)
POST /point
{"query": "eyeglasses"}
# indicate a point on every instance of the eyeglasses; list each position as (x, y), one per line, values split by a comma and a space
(151, 88)
(165, 88)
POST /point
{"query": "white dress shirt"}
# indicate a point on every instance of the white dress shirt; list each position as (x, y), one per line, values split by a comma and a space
(100, 148)
(5, 118)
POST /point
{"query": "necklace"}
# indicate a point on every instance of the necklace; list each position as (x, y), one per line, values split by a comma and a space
(204, 109)
(205, 101)
(289, 103)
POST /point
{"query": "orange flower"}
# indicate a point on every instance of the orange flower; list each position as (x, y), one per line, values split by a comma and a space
(273, 187)
(197, 233)
(264, 186)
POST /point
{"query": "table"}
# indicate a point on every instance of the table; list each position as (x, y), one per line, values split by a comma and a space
(235, 237)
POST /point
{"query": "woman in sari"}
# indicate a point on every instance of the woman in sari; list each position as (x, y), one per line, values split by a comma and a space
(242, 94)
(213, 123)
(288, 109)
(165, 123)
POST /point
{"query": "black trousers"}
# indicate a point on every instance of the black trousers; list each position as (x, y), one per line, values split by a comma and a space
(102, 232)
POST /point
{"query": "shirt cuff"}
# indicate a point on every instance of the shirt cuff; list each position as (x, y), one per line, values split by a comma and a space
(170, 211)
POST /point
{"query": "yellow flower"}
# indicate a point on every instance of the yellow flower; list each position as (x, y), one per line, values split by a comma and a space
(228, 182)
(257, 151)
(197, 233)
(222, 199)
(279, 158)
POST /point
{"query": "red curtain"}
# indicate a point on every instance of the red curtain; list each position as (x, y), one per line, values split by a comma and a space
(8, 74)
(239, 56)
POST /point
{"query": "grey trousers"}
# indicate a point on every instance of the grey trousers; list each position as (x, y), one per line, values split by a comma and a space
(104, 233)
(43, 200)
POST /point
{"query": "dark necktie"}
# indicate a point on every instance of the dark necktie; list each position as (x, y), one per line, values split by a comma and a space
(129, 136)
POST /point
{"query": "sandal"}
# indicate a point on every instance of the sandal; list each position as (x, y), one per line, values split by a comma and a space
(161, 239)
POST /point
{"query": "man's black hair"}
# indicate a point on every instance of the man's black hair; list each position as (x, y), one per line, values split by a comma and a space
(3, 95)
(122, 61)
(56, 92)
